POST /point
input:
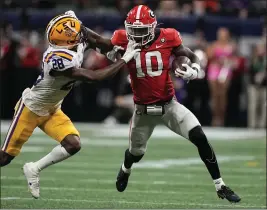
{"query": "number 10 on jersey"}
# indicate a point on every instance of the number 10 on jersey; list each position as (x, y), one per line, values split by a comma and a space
(148, 62)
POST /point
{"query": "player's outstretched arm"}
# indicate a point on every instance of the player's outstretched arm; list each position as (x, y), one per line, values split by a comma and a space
(96, 41)
(100, 74)
(88, 75)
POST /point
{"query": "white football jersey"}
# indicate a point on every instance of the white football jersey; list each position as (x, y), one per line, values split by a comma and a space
(48, 92)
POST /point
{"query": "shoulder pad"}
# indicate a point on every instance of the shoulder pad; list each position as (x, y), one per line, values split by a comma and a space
(59, 60)
(119, 38)
(174, 36)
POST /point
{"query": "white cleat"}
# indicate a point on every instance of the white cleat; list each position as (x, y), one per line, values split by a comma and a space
(32, 175)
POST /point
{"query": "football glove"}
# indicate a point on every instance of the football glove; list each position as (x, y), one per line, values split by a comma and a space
(131, 51)
(71, 13)
(190, 73)
(112, 55)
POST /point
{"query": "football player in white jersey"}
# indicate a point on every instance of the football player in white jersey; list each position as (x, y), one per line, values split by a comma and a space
(40, 106)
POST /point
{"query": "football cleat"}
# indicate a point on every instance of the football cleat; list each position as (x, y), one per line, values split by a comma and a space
(32, 175)
(122, 180)
(226, 192)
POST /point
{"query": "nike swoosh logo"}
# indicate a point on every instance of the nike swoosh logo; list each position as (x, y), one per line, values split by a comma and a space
(158, 46)
(213, 159)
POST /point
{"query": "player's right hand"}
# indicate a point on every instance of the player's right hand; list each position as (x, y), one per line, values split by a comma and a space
(131, 51)
(188, 74)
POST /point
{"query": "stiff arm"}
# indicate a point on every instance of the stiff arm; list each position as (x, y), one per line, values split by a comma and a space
(87, 75)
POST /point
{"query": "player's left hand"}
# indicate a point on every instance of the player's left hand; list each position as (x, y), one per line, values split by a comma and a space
(188, 74)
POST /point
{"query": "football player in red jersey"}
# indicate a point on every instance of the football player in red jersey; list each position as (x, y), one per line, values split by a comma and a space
(154, 94)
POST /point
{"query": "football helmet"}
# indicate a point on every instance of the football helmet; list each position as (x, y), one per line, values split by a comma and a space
(140, 24)
(64, 31)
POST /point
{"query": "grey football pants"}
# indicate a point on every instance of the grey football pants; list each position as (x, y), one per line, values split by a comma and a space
(176, 117)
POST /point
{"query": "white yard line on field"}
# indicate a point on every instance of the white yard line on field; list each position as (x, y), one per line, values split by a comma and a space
(43, 140)
(187, 161)
(103, 142)
(32, 149)
(106, 181)
(10, 198)
(114, 190)
(122, 131)
(142, 203)
(183, 173)
(157, 164)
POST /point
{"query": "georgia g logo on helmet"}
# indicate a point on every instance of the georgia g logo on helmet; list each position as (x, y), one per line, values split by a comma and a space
(64, 31)
(152, 14)
(140, 24)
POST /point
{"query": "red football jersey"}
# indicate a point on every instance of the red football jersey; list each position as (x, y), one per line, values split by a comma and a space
(149, 70)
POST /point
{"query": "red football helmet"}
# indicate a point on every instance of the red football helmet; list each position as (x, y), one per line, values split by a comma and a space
(140, 24)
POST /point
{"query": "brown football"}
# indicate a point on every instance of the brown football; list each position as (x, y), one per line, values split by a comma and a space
(177, 62)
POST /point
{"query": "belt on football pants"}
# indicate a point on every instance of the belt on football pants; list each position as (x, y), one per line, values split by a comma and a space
(156, 109)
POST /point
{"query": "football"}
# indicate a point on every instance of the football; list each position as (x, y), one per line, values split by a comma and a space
(177, 62)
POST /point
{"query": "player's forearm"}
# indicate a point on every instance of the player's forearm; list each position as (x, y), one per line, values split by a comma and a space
(104, 44)
(92, 33)
(109, 71)
(188, 53)
(97, 41)
(185, 51)
(195, 62)
(98, 75)
(193, 57)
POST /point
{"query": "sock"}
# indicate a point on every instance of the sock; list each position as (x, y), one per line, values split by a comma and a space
(58, 154)
(126, 170)
(128, 159)
(218, 183)
(206, 153)
(209, 158)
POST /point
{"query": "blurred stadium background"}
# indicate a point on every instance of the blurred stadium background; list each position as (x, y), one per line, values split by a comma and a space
(233, 110)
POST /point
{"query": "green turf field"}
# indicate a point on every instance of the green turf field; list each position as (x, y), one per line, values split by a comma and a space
(170, 175)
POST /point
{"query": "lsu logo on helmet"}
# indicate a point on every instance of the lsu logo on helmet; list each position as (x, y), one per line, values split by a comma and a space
(64, 31)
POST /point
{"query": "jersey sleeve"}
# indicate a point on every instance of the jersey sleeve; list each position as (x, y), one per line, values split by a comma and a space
(119, 38)
(60, 60)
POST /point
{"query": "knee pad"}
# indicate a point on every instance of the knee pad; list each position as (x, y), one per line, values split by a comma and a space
(134, 158)
(5, 158)
(197, 136)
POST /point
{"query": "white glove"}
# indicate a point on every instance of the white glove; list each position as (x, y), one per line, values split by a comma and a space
(112, 55)
(71, 13)
(190, 73)
(130, 51)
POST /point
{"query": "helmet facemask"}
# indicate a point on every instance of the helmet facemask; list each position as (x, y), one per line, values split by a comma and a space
(140, 33)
